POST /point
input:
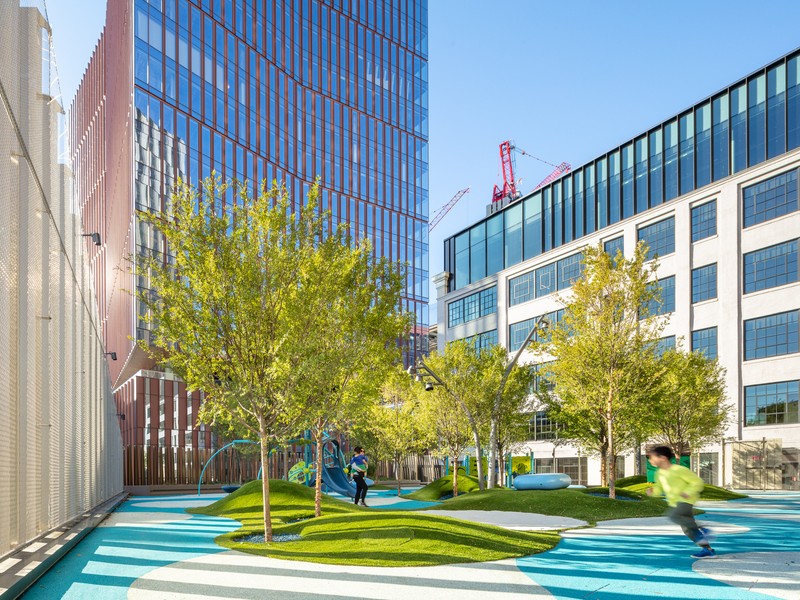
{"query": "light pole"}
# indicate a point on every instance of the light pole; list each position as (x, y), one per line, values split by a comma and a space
(419, 372)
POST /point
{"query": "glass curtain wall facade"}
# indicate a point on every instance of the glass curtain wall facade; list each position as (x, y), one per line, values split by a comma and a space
(285, 90)
(748, 123)
(291, 90)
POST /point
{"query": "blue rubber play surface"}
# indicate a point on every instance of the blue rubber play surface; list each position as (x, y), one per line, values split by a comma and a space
(105, 564)
(148, 533)
(660, 566)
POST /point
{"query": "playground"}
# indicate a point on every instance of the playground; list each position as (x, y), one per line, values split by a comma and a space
(152, 548)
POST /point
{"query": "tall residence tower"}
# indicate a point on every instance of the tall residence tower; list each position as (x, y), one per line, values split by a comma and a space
(713, 190)
(286, 90)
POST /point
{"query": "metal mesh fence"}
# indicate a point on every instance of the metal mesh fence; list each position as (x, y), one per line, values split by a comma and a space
(60, 450)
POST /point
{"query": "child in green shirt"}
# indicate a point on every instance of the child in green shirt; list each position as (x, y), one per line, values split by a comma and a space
(682, 489)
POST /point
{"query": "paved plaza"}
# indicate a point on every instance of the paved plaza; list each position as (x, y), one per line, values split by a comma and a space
(151, 549)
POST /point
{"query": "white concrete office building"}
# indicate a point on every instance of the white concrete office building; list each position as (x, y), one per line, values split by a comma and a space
(714, 192)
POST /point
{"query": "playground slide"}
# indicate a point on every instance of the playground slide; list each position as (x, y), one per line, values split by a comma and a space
(334, 477)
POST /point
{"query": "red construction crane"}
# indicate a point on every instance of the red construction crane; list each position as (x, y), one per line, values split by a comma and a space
(446, 208)
(561, 169)
(509, 189)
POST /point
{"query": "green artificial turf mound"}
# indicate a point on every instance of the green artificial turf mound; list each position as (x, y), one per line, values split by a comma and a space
(574, 503)
(348, 534)
(638, 484)
(443, 486)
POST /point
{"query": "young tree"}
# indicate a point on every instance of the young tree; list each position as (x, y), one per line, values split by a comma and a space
(690, 410)
(224, 298)
(393, 428)
(606, 370)
(472, 378)
(442, 417)
(511, 387)
(351, 328)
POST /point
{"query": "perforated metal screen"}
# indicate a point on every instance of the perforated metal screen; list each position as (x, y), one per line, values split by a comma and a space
(60, 446)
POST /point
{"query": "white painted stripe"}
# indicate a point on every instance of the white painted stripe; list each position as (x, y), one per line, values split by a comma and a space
(406, 582)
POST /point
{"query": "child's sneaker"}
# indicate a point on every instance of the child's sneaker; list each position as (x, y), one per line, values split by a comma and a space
(705, 553)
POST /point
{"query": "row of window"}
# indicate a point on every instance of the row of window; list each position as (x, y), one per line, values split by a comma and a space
(771, 335)
(545, 280)
(765, 404)
(474, 306)
(769, 199)
(753, 121)
(771, 403)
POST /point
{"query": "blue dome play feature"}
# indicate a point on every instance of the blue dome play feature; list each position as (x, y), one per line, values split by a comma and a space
(542, 481)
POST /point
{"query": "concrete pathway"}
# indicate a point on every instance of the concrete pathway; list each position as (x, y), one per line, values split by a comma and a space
(151, 549)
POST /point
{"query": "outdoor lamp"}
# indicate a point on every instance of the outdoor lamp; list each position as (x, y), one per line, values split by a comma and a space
(113, 355)
(95, 240)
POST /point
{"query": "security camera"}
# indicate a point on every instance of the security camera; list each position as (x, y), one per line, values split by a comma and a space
(428, 386)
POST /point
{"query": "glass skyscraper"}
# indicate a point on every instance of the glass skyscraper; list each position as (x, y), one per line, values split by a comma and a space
(289, 90)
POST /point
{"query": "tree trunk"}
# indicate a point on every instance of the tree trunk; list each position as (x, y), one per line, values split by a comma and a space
(318, 478)
(493, 454)
(397, 473)
(479, 453)
(455, 476)
(611, 468)
(265, 484)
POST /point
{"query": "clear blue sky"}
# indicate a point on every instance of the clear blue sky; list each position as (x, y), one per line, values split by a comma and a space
(566, 81)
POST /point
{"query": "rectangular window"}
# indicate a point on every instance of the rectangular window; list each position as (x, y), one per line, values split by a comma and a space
(641, 175)
(776, 111)
(773, 335)
(532, 238)
(569, 269)
(702, 136)
(546, 280)
(521, 289)
(793, 103)
(477, 251)
(656, 175)
(670, 160)
(472, 307)
(772, 403)
(611, 247)
(462, 260)
(513, 240)
(664, 344)
(739, 128)
(686, 125)
(769, 199)
(659, 237)
(756, 120)
(494, 244)
(484, 340)
(704, 221)
(770, 267)
(517, 332)
(704, 283)
(720, 133)
(705, 341)
(667, 303)
(541, 428)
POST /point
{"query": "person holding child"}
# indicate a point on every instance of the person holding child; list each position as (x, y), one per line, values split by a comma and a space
(358, 469)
